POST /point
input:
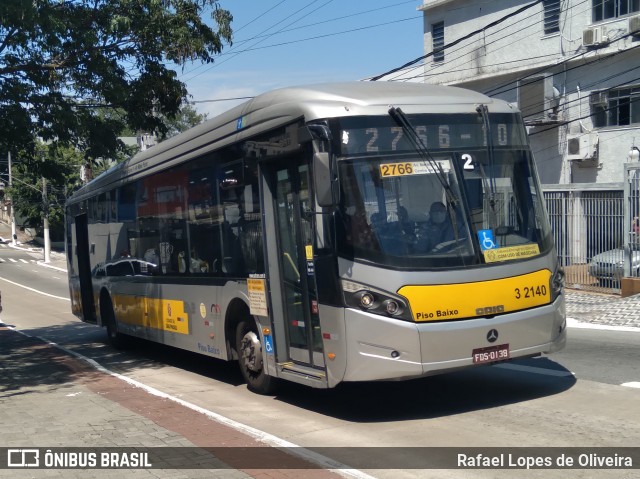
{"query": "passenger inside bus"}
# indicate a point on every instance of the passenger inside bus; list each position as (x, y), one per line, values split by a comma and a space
(391, 235)
(198, 265)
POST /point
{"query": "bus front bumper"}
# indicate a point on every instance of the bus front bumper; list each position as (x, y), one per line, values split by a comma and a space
(382, 348)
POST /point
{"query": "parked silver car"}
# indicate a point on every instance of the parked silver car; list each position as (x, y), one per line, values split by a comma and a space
(608, 266)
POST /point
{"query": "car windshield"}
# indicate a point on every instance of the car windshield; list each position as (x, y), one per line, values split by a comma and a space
(463, 204)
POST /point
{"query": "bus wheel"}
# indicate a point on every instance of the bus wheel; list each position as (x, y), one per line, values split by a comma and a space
(250, 358)
(115, 338)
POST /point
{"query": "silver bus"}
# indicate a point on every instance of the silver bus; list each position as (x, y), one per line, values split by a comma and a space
(337, 232)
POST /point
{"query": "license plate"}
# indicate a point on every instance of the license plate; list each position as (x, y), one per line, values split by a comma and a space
(490, 354)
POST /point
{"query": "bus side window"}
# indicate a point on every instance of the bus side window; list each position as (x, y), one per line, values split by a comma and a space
(250, 230)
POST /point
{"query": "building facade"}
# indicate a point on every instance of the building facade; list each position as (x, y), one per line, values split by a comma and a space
(571, 66)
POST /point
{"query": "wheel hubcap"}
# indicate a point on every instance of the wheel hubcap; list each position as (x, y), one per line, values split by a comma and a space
(251, 352)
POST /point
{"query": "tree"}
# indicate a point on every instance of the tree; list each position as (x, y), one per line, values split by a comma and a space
(61, 168)
(62, 61)
(185, 119)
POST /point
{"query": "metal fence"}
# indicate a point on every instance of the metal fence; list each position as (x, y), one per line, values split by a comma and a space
(587, 225)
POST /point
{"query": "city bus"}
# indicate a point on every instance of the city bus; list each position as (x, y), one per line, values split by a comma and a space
(297, 235)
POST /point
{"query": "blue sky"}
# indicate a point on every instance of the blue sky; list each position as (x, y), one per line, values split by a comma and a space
(280, 43)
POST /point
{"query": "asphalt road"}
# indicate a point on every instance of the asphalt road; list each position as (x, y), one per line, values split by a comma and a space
(538, 402)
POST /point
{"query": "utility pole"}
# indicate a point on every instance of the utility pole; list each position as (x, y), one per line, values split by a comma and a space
(45, 209)
(14, 237)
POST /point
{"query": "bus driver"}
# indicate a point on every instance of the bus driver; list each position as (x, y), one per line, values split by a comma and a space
(437, 229)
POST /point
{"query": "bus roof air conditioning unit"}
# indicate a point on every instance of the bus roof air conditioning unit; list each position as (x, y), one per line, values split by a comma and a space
(594, 36)
(538, 100)
(582, 147)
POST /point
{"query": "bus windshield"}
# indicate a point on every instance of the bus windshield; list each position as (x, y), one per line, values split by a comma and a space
(462, 204)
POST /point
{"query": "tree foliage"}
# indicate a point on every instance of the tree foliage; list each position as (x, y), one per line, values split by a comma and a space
(60, 166)
(186, 118)
(62, 61)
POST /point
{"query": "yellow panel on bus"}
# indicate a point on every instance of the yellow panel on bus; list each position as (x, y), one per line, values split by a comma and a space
(165, 314)
(483, 298)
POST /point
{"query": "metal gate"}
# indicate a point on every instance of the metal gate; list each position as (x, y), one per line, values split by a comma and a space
(632, 220)
(588, 231)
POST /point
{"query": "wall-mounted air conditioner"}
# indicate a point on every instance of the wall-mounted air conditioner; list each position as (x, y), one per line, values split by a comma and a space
(594, 36)
(582, 147)
(634, 25)
(598, 98)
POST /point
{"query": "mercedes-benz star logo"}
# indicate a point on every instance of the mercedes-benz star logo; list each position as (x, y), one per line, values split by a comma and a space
(492, 335)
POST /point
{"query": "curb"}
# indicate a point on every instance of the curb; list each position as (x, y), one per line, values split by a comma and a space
(50, 266)
(27, 249)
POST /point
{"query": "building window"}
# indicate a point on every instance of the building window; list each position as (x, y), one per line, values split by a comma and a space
(552, 16)
(604, 9)
(437, 37)
(616, 107)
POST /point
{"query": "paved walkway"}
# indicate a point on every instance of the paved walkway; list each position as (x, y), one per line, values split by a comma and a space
(50, 399)
(603, 309)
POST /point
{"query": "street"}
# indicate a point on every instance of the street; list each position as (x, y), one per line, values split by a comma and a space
(533, 403)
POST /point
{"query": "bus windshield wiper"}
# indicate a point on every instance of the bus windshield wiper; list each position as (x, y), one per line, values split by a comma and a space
(400, 118)
(490, 181)
(452, 201)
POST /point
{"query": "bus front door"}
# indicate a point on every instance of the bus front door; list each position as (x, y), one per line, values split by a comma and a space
(84, 269)
(294, 227)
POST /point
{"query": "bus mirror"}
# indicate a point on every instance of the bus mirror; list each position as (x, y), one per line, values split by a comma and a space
(322, 176)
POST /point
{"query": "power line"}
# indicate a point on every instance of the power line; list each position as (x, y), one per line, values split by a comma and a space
(265, 38)
(315, 24)
(605, 90)
(259, 16)
(223, 99)
(564, 62)
(485, 45)
(448, 45)
(584, 117)
(443, 64)
(287, 30)
(235, 31)
(547, 160)
(352, 30)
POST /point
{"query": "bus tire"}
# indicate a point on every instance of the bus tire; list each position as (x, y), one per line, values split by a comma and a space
(249, 350)
(114, 337)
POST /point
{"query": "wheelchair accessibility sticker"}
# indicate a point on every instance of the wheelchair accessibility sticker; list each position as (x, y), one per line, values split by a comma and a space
(486, 239)
(268, 344)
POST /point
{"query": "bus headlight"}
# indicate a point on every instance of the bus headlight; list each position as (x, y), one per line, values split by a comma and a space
(366, 300)
(392, 307)
(372, 300)
(556, 283)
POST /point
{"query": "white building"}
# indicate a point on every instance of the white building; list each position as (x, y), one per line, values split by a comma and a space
(572, 66)
(573, 69)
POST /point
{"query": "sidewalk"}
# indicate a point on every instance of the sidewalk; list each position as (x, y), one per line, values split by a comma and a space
(28, 244)
(603, 309)
(51, 399)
